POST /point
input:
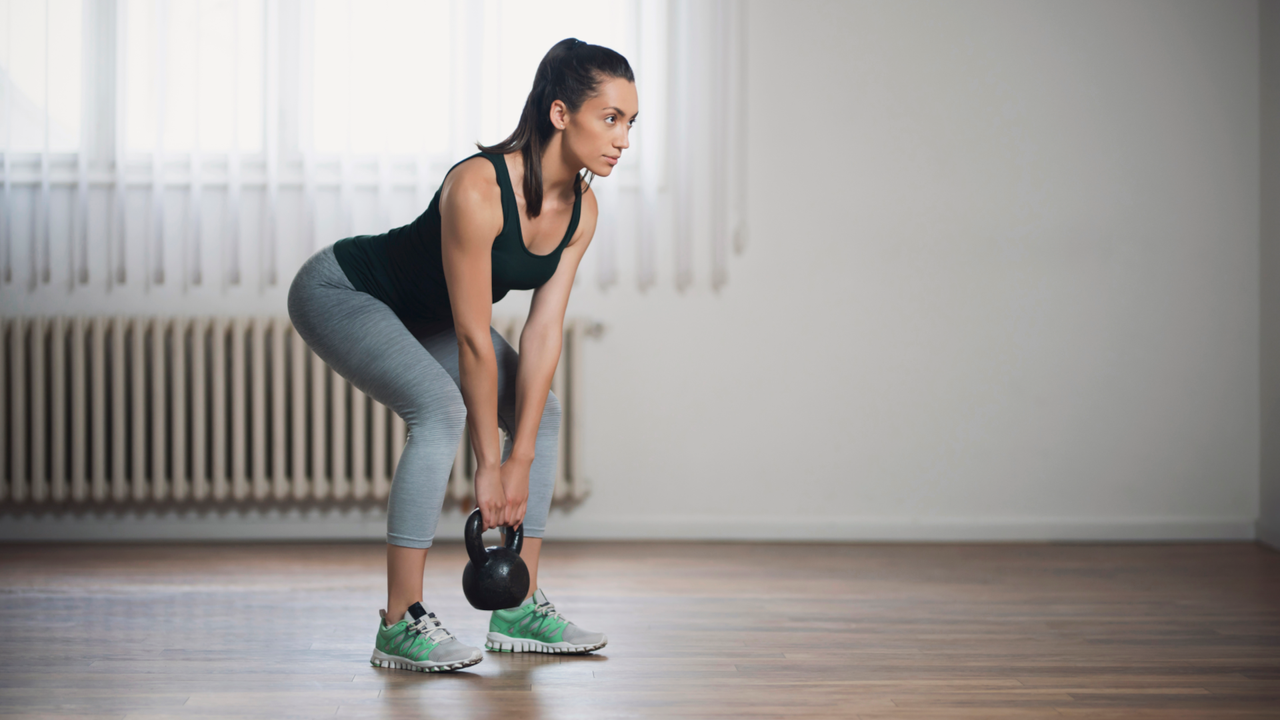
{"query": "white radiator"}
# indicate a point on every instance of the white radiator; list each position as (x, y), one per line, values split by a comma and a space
(212, 410)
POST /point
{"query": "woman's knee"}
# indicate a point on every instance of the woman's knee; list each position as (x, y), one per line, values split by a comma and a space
(439, 409)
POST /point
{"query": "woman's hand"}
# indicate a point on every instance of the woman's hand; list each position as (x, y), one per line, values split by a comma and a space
(515, 487)
(491, 498)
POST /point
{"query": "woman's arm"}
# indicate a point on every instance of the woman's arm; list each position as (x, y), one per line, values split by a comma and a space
(540, 343)
(470, 218)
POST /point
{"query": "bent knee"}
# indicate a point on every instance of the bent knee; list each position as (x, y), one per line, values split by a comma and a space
(441, 410)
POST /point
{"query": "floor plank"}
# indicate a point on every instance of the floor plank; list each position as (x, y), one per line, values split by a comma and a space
(697, 630)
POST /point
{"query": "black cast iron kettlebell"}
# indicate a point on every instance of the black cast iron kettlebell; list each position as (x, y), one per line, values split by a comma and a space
(496, 577)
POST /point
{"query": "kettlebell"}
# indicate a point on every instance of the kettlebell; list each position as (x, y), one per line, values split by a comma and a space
(496, 577)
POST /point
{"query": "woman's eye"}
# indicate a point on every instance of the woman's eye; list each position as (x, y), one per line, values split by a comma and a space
(609, 119)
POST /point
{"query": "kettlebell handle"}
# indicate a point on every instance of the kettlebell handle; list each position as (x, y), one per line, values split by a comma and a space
(514, 539)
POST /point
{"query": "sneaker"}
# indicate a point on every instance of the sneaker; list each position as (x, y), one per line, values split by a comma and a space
(535, 626)
(419, 642)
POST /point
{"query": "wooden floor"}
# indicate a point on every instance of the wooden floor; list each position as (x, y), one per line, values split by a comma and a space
(695, 631)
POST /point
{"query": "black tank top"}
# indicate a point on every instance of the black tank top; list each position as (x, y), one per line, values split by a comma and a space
(404, 268)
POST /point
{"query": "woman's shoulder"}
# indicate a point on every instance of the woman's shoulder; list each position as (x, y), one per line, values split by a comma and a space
(589, 207)
(587, 217)
(588, 196)
(473, 179)
(471, 190)
(476, 171)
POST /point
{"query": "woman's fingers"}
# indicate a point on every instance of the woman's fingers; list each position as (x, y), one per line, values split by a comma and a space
(492, 515)
(510, 520)
(514, 512)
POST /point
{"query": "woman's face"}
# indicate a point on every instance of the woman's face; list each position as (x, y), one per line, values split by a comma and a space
(596, 135)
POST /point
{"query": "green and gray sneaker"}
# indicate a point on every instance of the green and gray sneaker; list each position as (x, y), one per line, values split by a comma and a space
(419, 642)
(535, 626)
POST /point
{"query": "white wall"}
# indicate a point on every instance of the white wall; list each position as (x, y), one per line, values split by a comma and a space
(1002, 283)
(1269, 519)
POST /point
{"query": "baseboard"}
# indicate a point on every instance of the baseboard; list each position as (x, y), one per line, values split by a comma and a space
(891, 529)
(370, 524)
(1268, 535)
(222, 524)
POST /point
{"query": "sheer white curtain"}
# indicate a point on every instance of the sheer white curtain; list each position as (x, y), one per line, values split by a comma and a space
(178, 146)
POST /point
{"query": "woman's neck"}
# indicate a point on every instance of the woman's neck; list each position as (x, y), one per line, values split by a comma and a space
(557, 173)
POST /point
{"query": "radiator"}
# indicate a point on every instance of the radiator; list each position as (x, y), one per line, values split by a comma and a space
(192, 410)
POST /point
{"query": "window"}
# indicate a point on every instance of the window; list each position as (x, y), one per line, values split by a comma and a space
(40, 61)
(235, 137)
(202, 61)
(380, 73)
(380, 76)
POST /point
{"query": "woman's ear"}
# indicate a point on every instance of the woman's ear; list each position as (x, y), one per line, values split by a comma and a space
(559, 114)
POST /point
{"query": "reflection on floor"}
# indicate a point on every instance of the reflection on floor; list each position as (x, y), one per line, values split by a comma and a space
(696, 630)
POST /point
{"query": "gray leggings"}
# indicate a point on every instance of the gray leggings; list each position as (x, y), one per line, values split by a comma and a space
(414, 371)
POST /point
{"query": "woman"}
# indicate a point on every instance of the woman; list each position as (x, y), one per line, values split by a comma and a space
(405, 316)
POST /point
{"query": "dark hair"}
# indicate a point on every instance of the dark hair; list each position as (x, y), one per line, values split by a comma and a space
(570, 72)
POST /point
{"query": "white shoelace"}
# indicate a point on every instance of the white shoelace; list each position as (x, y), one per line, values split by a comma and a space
(548, 610)
(428, 628)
